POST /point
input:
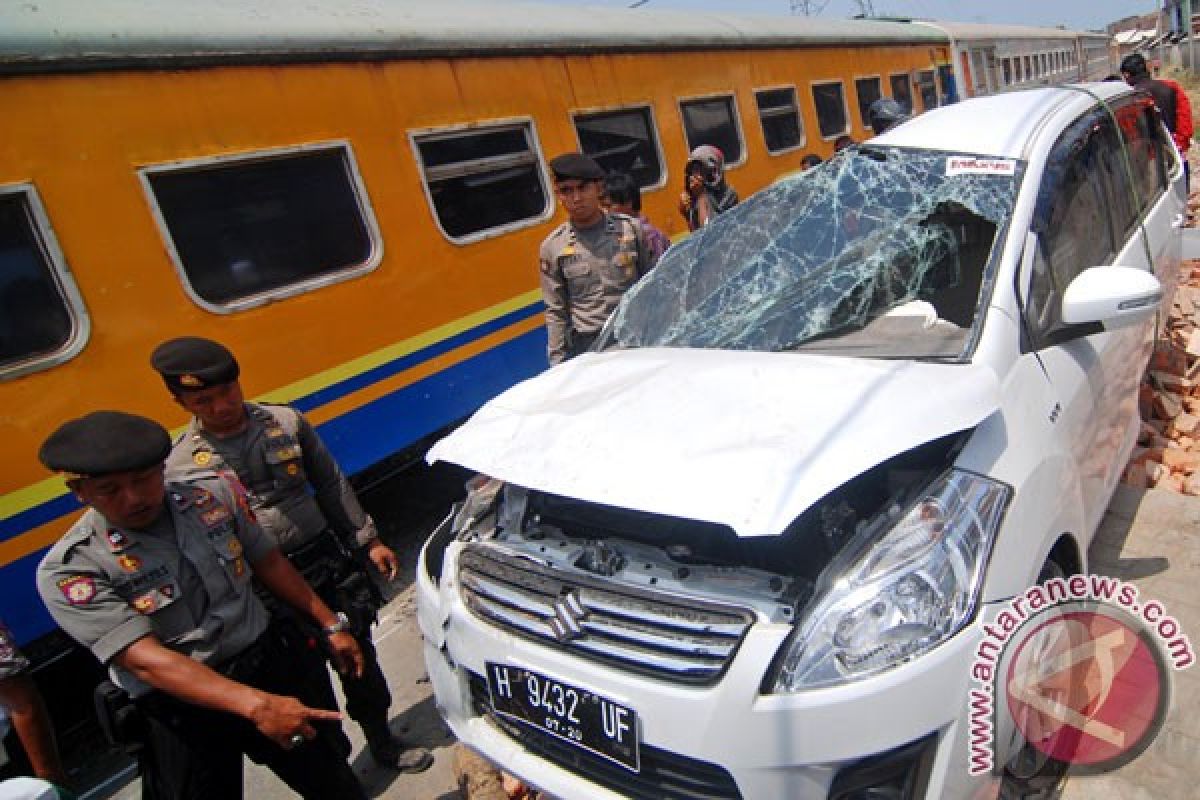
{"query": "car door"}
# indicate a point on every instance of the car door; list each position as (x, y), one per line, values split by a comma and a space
(1085, 216)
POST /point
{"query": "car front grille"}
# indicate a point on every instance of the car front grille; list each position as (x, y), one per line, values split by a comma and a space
(663, 775)
(665, 636)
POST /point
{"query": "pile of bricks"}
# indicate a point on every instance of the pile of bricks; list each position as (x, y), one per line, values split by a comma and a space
(1167, 455)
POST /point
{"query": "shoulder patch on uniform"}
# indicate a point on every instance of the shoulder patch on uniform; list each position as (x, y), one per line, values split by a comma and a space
(78, 589)
(202, 458)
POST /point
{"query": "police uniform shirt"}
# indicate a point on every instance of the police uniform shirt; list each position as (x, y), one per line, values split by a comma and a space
(276, 458)
(186, 579)
(585, 271)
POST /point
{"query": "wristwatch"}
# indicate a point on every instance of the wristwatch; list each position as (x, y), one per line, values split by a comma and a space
(342, 624)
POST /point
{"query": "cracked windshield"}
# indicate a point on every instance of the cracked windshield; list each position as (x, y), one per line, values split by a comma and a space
(880, 252)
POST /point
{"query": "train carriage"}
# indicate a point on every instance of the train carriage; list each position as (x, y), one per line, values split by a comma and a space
(986, 58)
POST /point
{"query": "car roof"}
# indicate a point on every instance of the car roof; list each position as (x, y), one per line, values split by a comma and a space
(1000, 125)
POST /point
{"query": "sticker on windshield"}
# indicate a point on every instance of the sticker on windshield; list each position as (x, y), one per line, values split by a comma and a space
(966, 165)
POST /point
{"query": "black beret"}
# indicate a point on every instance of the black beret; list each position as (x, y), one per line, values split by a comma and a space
(575, 166)
(191, 362)
(104, 442)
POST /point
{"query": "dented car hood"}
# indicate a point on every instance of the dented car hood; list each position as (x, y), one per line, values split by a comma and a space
(744, 439)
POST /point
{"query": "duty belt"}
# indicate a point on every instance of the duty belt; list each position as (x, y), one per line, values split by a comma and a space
(321, 559)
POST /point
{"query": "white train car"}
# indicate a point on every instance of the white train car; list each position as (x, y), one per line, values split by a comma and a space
(986, 59)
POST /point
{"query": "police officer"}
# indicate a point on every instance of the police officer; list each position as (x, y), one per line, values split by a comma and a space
(589, 261)
(278, 457)
(155, 580)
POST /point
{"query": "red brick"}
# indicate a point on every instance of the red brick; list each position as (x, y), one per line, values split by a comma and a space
(1167, 405)
(1183, 460)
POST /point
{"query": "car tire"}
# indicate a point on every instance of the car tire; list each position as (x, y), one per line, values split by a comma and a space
(1032, 774)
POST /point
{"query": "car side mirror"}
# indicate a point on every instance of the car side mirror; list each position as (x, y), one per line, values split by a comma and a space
(1114, 296)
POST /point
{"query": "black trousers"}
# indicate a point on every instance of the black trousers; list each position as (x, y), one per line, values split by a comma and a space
(367, 697)
(343, 583)
(194, 753)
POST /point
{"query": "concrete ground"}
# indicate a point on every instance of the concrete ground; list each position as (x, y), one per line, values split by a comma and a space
(1152, 538)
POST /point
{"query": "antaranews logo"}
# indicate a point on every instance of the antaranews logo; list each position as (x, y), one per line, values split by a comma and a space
(1077, 668)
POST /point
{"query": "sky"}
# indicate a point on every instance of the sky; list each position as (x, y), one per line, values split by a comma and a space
(1076, 14)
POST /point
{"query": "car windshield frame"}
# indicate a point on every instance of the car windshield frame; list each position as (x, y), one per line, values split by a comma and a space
(881, 252)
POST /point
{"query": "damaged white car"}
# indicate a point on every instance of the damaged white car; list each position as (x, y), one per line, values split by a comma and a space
(742, 548)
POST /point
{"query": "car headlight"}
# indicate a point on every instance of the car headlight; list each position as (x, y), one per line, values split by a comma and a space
(901, 594)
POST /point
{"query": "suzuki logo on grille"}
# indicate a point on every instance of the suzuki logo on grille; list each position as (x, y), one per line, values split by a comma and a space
(569, 615)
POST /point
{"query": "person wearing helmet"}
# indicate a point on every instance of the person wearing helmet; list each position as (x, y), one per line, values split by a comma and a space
(705, 194)
(885, 114)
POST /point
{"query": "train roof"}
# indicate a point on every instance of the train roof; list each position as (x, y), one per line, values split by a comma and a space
(55, 35)
(998, 125)
(978, 31)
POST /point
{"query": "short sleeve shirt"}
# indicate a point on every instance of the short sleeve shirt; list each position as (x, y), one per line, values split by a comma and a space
(186, 579)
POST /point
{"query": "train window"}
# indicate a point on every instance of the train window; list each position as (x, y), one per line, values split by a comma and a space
(830, 100)
(928, 89)
(868, 91)
(1006, 66)
(780, 117)
(483, 180)
(946, 84)
(624, 140)
(42, 318)
(714, 121)
(250, 228)
(902, 90)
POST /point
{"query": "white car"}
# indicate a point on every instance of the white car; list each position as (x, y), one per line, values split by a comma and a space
(744, 547)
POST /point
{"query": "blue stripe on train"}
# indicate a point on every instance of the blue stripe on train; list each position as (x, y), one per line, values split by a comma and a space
(395, 366)
(66, 504)
(358, 439)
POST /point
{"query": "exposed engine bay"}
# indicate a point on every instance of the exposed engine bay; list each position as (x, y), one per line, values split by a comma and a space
(774, 575)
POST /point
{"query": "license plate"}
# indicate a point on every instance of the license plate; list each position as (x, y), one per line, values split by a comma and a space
(582, 718)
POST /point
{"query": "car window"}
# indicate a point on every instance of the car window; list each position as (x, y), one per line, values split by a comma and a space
(1072, 219)
(879, 252)
(1144, 134)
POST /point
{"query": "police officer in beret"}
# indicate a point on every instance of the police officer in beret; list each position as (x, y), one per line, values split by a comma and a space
(278, 457)
(589, 261)
(155, 580)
